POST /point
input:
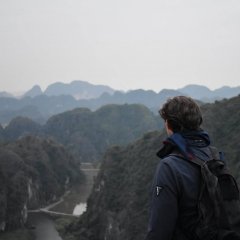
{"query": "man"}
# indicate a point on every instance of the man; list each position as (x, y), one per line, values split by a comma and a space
(176, 185)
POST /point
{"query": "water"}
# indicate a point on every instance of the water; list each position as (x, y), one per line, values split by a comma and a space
(77, 198)
(74, 203)
(45, 228)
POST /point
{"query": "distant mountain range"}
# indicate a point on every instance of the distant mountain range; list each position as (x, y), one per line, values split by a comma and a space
(41, 107)
(204, 94)
(84, 90)
(77, 89)
(60, 97)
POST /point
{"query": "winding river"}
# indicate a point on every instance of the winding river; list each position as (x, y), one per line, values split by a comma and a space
(73, 203)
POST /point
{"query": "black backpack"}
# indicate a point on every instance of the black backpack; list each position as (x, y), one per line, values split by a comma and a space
(219, 203)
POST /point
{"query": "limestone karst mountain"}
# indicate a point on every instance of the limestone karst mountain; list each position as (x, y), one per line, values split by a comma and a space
(33, 173)
(34, 91)
(78, 89)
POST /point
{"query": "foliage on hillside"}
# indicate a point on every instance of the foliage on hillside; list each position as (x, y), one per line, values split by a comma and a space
(21, 126)
(118, 205)
(33, 172)
(88, 134)
(10, 189)
(222, 121)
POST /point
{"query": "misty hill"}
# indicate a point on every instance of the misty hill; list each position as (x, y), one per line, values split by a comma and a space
(6, 94)
(33, 92)
(38, 108)
(26, 111)
(19, 127)
(121, 192)
(84, 90)
(149, 98)
(33, 172)
(77, 89)
(41, 107)
(206, 95)
(198, 91)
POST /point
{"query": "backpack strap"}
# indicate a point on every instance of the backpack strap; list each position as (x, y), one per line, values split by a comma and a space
(215, 159)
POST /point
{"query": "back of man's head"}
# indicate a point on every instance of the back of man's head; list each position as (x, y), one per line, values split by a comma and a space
(181, 113)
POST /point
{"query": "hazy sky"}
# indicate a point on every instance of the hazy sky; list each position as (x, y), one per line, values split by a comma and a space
(126, 44)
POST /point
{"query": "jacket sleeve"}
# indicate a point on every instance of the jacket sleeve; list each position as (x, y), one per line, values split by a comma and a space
(164, 203)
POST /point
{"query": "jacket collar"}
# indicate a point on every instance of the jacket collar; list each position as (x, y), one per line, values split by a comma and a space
(184, 142)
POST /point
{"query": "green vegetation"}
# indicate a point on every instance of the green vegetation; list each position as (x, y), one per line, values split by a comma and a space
(33, 172)
(21, 126)
(222, 121)
(118, 205)
(88, 134)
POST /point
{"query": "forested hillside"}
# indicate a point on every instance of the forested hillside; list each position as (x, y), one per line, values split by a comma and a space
(19, 127)
(35, 169)
(33, 172)
(222, 121)
(88, 134)
(118, 205)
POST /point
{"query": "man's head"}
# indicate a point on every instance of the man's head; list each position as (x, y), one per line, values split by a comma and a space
(181, 113)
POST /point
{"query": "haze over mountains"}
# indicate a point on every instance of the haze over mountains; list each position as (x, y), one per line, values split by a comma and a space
(59, 97)
(84, 90)
(77, 89)
(88, 134)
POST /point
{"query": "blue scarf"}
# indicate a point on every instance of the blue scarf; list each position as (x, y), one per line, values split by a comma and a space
(184, 141)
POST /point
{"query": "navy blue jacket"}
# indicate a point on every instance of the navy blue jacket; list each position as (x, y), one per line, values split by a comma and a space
(175, 189)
